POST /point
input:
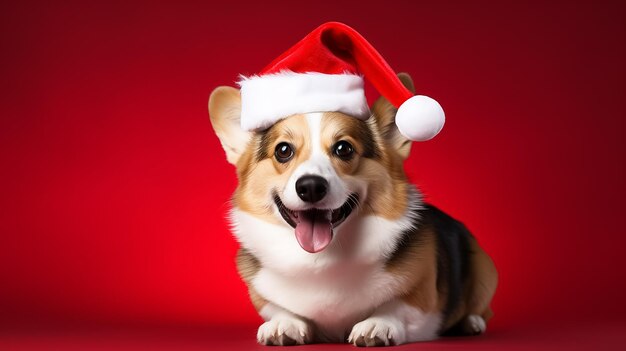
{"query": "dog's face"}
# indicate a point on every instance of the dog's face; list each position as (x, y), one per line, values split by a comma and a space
(314, 171)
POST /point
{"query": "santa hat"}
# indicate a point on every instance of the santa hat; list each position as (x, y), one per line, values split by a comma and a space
(324, 72)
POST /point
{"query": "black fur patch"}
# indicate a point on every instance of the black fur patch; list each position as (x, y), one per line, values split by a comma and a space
(262, 144)
(453, 250)
(366, 137)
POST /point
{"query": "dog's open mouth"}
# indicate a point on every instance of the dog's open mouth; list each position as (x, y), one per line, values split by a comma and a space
(314, 227)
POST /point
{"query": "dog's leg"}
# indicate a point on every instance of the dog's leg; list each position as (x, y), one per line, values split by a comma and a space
(283, 327)
(395, 323)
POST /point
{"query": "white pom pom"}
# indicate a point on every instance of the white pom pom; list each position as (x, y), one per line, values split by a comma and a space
(420, 118)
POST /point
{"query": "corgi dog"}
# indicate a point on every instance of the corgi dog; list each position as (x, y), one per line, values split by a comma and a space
(336, 245)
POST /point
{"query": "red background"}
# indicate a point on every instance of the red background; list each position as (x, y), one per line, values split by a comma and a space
(113, 186)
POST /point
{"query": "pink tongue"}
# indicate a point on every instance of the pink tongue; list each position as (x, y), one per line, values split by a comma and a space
(314, 231)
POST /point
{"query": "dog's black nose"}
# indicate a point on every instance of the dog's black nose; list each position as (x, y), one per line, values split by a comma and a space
(311, 188)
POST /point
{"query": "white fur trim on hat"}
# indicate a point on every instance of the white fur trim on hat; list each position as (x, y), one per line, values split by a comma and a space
(269, 98)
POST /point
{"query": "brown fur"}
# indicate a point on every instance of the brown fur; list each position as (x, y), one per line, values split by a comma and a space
(416, 262)
(259, 177)
(248, 266)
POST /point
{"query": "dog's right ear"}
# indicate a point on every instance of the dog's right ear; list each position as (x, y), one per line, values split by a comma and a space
(385, 114)
(225, 114)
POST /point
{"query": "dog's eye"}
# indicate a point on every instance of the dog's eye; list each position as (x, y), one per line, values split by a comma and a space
(283, 152)
(343, 150)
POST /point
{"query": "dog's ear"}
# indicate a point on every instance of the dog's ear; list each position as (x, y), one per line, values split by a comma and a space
(225, 113)
(385, 115)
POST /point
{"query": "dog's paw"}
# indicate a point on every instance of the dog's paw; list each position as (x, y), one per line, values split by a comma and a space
(475, 324)
(375, 332)
(284, 331)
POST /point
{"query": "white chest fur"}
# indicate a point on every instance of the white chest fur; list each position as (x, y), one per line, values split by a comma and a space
(334, 300)
(334, 288)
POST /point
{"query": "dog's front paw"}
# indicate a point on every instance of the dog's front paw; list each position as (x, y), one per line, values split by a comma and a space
(375, 332)
(284, 331)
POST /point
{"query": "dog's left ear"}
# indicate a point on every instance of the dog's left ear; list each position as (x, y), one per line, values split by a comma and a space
(225, 113)
(385, 115)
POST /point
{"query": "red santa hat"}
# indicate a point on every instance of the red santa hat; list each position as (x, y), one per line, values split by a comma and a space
(324, 72)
